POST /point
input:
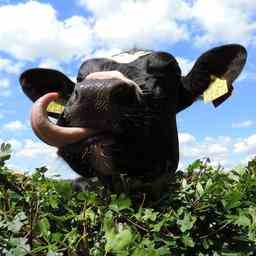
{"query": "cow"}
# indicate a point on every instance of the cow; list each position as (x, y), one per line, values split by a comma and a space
(119, 119)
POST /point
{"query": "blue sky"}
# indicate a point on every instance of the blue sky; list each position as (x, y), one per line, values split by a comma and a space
(60, 34)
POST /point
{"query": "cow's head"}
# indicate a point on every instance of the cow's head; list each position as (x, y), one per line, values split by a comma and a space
(120, 116)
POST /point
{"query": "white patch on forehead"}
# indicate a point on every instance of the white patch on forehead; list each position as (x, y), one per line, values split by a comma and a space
(128, 57)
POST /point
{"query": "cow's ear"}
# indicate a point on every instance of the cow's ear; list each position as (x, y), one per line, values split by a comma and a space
(38, 81)
(225, 62)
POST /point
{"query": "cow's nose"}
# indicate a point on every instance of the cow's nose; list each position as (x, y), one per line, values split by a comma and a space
(124, 93)
(107, 91)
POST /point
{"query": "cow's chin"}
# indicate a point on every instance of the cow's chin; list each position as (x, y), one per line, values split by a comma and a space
(91, 156)
(97, 137)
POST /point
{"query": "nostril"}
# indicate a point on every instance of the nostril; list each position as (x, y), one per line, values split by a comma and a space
(124, 94)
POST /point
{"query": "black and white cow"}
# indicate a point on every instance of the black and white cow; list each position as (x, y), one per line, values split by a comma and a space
(120, 116)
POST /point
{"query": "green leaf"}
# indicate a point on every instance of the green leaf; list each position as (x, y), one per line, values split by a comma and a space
(119, 203)
(118, 240)
(188, 241)
(139, 252)
(234, 176)
(53, 201)
(44, 227)
(194, 166)
(184, 183)
(18, 247)
(208, 184)
(16, 224)
(199, 189)
(56, 237)
(243, 220)
(108, 223)
(187, 222)
(164, 250)
(72, 237)
(90, 215)
(206, 244)
(5, 152)
(51, 253)
(146, 252)
(157, 227)
(89, 197)
(232, 199)
(82, 196)
(149, 214)
(64, 189)
(147, 247)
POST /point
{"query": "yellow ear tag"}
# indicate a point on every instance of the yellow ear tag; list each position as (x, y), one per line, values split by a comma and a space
(55, 107)
(217, 88)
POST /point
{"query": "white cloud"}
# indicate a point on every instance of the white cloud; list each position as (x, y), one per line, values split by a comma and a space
(137, 23)
(225, 140)
(16, 144)
(244, 124)
(126, 23)
(57, 166)
(32, 31)
(247, 159)
(247, 145)
(103, 8)
(224, 21)
(32, 149)
(50, 63)
(30, 154)
(5, 87)
(14, 126)
(11, 67)
(217, 149)
(186, 138)
(4, 83)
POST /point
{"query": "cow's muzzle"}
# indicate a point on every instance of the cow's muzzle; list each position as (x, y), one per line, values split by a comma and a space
(90, 110)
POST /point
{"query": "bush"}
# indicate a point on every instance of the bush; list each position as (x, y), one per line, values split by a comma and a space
(210, 212)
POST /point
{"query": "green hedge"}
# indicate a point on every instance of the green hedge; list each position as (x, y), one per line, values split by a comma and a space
(208, 212)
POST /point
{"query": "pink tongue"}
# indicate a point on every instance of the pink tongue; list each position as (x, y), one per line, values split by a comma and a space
(50, 133)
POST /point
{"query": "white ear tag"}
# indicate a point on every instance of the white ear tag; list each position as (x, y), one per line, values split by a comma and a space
(217, 88)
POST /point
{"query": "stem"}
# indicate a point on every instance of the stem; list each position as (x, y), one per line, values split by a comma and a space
(214, 232)
(137, 225)
(143, 200)
(34, 207)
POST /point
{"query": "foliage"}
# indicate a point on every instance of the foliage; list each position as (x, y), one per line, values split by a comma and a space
(210, 212)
